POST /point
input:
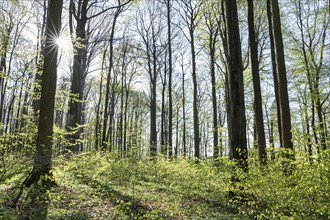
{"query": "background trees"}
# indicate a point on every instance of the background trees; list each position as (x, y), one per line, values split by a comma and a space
(120, 58)
(184, 78)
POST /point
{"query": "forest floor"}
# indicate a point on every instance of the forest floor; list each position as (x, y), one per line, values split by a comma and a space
(101, 186)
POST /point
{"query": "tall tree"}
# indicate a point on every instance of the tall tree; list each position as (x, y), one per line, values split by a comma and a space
(213, 34)
(313, 23)
(260, 130)
(285, 115)
(79, 40)
(6, 29)
(274, 69)
(43, 155)
(236, 107)
(191, 10)
(150, 29)
(170, 71)
(108, 114)
(79, 11)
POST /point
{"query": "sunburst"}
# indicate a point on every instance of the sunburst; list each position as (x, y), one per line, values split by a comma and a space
(64, 43)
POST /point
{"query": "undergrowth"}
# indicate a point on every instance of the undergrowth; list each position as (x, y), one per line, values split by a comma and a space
(99, 185)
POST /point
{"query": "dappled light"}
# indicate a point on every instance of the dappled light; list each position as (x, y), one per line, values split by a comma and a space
(164, 109)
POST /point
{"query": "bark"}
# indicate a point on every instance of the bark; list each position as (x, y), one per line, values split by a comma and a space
(163, 127)
(98, 109)
(274, 69)
(3, 68)
(236, 107)
(170, 70)
(39, 63)
(43, 155)
(195, 97)
(176, 149)
(153, 112)
(213, 31)
(214, 103)
(307, 129)
(191, 10)
(78, 73)
(259, 119)
(184, 142)
(107, 88)
(285, 115)
(125, 147)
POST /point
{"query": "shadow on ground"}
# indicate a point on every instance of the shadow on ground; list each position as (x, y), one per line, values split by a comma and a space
(135, 207)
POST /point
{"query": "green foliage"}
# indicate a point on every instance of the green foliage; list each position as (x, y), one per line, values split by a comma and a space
(101, 185)
(152, 188)
(271, 194)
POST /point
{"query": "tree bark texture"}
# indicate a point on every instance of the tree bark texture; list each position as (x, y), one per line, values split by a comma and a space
(236, 106)
(260, 130)
(43, 155)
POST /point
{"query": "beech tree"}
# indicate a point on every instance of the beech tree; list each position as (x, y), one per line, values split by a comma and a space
(261, 140)
(109, 105)
(236, 108)
(150, 28)
(190, 12)
(285, 115)
(310, 42)
(81, 13)
(43, 155)
(210, 14)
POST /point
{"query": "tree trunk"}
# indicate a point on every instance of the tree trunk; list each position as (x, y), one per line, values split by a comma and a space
(170, 70)
(43, 155)
(212, 39)
(195, 98)
(107, 88)
(285, 115)
(163, 115)
(78, 73)
(184, 142)
(260, 130)
(236, 107)
(98, 109)
(153, 112)
(274, 69)
(3, 69)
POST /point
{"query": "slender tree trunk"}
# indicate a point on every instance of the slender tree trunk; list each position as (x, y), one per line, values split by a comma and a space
(274, 69)
(3, 69)
(163, 115)
(307, 127)
(176, 150)
(214, 96)
(285, 115)
(121, 115)
(153, 101)
(170, 70)
(125, 122)
(8, 124)
(98, 108)
(195, 97)
(184, 114)
(107, 88)
(153, 119)
(260, 130)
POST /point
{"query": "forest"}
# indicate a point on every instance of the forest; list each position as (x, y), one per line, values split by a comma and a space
(164, 109)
